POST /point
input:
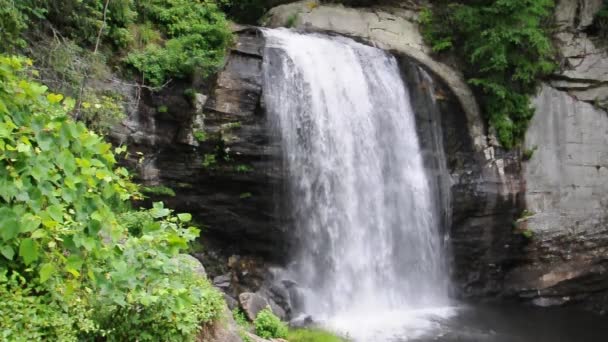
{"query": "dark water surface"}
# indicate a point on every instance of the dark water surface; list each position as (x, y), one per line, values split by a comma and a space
(511, 323)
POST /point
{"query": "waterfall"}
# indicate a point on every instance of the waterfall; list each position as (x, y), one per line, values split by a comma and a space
(368, 251)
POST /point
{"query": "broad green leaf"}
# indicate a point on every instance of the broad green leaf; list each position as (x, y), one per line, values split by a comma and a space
(56, 212)
(184, 217)
(9, 226)
(54, 98)
(46, 271)
(28, 250)
(158, 210)
(7, 251)
(29, 223)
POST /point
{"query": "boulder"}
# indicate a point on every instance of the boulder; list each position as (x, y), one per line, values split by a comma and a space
(222, 281)
(231, 302)
(194, 262)
(253, 303)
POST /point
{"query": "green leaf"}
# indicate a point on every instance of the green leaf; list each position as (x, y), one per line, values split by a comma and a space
(28, 250)
(46, 271)
(7, 251)
(29, 223)
(158, 210)
(184, 217)
(9, 226)
(55, 212)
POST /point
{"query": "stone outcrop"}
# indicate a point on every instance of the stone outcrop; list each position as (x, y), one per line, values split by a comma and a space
(585, 62)
(215, 152)
(566, 193)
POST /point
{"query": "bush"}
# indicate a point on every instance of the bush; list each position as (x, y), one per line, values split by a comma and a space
(26, 315)
(197, 33)
(267, 325)
(507, 49)
(69, 267)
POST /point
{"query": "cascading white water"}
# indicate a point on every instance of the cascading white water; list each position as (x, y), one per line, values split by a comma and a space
(369, 253)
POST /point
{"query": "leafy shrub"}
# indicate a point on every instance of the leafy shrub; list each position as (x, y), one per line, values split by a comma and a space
(101, 112)
(267, 325)
(12, 23)
(507, 49)
(26, 315)
(198, 36)
(312, 335)
(156, 295)
(241, 319)
(65, 255)
(83, 20)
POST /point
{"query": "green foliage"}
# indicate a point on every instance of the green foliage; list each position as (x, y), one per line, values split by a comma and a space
(83, 20)
(312, 335)
(267, 325)
(101, 112)
(245, 195)
(158, 190)
(209, 160)
(507, 48)
(62, 65)
(69, 267)
(527, 233)
(240, 319)
(200, 136)
(155, 294)
(292, 20)
(197, 33)
(26, 315)
(231, 126)
(241, 168)
(12, 23)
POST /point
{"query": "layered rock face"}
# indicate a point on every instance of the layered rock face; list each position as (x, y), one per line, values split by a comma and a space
(215, 152)
(567, 176)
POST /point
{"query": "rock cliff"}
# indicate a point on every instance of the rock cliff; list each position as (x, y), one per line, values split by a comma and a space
(533, 230)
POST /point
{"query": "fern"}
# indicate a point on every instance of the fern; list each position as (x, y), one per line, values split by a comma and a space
(506, 48)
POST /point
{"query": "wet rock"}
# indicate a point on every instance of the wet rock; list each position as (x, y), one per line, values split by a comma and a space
(231, 302)
(279, 294)
(222, 281)
(252, 304)
(302, 321)
(277, 310)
